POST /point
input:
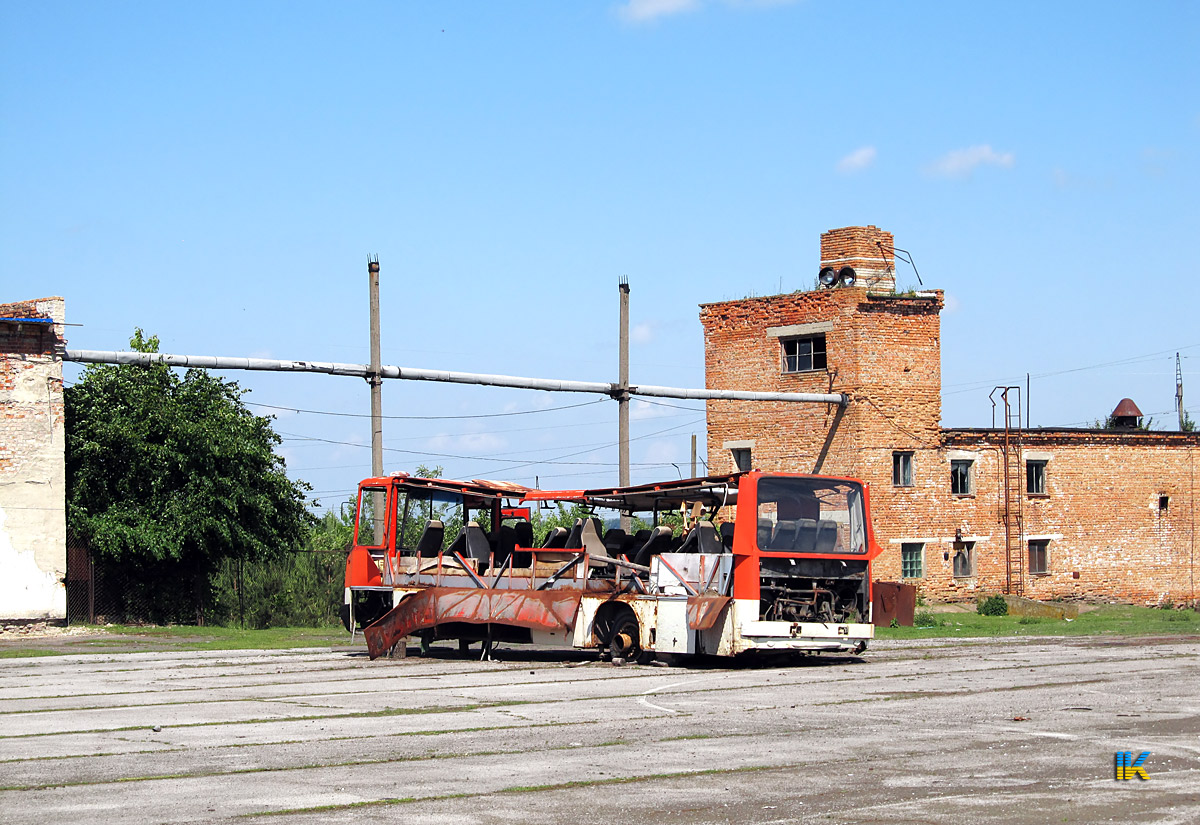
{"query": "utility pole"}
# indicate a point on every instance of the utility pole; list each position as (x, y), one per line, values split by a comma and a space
(1179, 391)
(375, 379)
(693, 455)
(623, 398)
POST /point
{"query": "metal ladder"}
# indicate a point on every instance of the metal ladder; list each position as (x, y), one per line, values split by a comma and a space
(1012, 499)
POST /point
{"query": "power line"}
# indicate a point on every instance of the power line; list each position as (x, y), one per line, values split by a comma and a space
(594, 449)
(556, 460)
(426, 417)
(969, 386)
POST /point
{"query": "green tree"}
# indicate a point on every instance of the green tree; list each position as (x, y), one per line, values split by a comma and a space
(1110, 423)
(167, 476)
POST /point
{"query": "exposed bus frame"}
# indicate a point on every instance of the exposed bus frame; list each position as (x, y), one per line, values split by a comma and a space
(584, 596)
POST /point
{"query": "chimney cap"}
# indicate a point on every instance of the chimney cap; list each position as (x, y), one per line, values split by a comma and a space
(1127, 409)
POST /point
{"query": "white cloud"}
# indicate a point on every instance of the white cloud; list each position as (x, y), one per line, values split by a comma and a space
(952, 304)
(641, 334)
(665, 451)
(960, 163)
(641, 11)
(641, 410)
(857, 160)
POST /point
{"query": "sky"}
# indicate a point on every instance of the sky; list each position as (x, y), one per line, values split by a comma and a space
(217, 173)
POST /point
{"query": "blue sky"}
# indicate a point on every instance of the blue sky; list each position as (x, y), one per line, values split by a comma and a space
(216, 174)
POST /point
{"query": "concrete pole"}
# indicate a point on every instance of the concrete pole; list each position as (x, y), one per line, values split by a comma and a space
(376, 382)
(623, 398)
(693, 455)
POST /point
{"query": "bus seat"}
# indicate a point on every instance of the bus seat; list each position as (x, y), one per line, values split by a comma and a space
(590, 539)
(430, 543)
(478, 547)
(556, 538)
(806, 538)
(574, 540)
(727, 535)
(708, 541)
(827, 536)
(503, 542)
(689, 544)
(660, 538)
(524, 531)
(459, 545)
(783, 537)
(614, 541)
(764, 533)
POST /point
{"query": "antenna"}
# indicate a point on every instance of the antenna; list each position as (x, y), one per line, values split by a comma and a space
(1179, 391)
(909, 259)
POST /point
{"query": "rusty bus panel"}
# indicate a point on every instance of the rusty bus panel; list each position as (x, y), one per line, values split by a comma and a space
(703, 611)
(536, 610)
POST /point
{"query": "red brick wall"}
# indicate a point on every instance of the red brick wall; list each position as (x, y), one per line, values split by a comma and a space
(884, 351)
(867, 249)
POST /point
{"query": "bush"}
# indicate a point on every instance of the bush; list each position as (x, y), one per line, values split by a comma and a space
(925, 618)
(993, 606)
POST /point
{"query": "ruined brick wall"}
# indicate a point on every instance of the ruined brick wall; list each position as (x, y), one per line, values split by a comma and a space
(1107, 537)
(1100, 516)
(883, 352)
(32, 461)
(868, 250)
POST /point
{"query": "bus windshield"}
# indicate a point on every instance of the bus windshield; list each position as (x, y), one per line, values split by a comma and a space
(811, 515)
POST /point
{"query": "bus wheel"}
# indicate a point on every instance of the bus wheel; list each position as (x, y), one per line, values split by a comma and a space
(625, 642)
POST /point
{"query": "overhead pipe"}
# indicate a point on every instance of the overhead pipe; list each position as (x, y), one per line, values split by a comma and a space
(613, 390)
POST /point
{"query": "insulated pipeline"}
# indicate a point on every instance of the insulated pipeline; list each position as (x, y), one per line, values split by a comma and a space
(215, 362)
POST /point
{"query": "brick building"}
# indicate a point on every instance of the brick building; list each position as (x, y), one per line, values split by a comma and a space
(1102, 514)
(32, 461)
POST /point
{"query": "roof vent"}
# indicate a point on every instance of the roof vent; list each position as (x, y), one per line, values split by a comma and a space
(1127, 415)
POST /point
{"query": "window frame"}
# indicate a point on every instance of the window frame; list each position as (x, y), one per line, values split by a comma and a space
(912, 547)
(967, 549)
(1044, 546)
(813, 355)
(968, 476)
(902, 460)
(1040, 476)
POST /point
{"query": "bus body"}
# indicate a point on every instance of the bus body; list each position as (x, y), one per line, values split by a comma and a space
(767, 562)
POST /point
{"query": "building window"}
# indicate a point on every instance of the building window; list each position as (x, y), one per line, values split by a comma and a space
(742, 461)
(902, 475)
(1039, 556)
(912, 560)
(1035, 478)
(961, 478)
(964, 559)
(804, 354)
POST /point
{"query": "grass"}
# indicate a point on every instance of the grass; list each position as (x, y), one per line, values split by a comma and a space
(26, 653)
(1114, 620)
(137, 638)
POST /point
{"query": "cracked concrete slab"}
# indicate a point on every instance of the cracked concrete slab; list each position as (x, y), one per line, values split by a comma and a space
(1019, 731)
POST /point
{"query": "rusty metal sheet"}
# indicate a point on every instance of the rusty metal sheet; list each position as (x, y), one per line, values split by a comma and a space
(703, 611)
(533, 609)
(893, 600)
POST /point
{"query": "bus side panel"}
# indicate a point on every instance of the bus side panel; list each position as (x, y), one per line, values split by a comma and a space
(672, 633)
